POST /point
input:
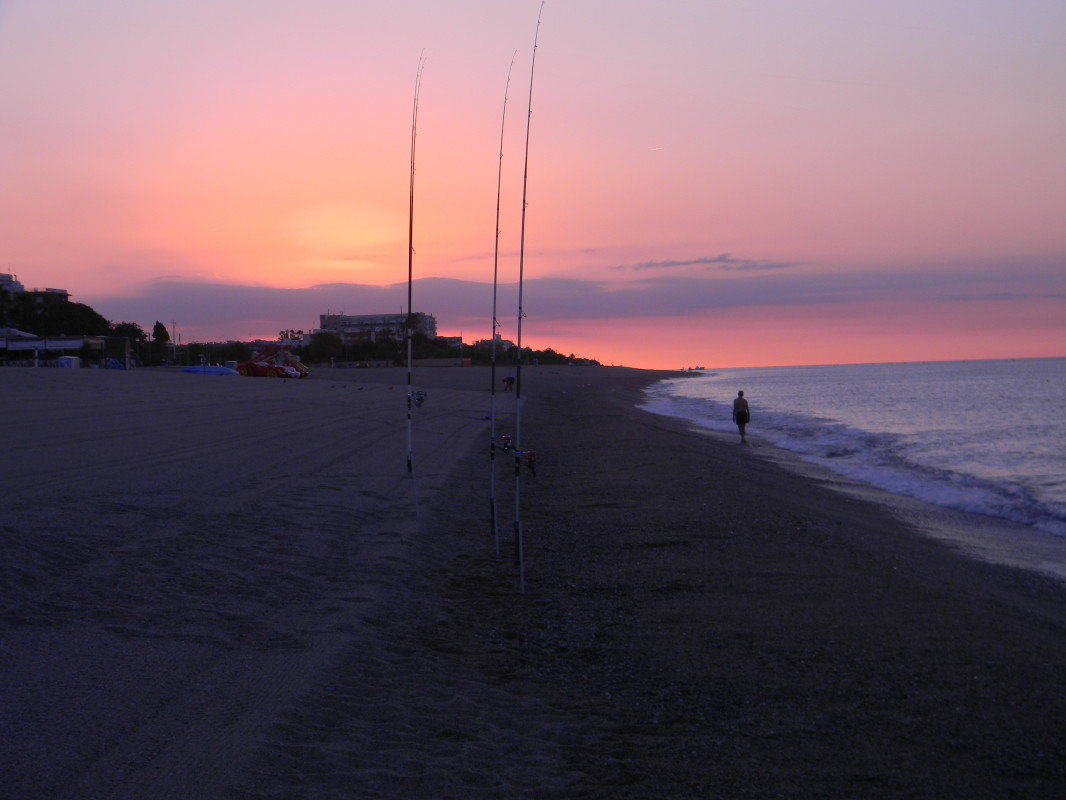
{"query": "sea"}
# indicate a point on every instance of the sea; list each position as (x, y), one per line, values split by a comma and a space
(982, 437)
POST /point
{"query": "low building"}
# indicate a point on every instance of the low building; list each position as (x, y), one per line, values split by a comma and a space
(59, 294)
(17, 347)
(502, 345)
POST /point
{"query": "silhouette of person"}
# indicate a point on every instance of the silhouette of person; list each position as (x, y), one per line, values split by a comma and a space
(741, 415)
(508, 383)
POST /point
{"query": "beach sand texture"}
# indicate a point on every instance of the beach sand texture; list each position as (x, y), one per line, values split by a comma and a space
(220, 588)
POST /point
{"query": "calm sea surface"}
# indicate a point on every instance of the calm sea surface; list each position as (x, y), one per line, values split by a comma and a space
(987, 437)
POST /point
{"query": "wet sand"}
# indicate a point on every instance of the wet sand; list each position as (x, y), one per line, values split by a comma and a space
(220, 588)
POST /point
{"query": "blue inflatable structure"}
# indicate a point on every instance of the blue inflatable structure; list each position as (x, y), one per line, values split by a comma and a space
(207, 369)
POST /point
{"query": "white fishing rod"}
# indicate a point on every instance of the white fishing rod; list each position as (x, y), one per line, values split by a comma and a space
(410, 280)
(493, 513)
(519, 549)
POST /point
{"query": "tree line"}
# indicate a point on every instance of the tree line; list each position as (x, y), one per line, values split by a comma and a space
(325, 346)
(55, 315)
(45, 315)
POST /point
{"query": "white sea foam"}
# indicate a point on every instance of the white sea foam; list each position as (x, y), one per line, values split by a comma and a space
(986, 437)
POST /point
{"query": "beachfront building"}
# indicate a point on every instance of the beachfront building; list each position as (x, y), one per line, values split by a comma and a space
(12, 285)
(358, 328)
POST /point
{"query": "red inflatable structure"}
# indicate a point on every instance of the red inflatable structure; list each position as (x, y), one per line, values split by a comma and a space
(274, 361)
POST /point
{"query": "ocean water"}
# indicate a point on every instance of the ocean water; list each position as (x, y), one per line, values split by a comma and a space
(986, 437)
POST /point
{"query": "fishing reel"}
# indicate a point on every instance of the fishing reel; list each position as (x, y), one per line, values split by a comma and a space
(417, 398)
(527, 457)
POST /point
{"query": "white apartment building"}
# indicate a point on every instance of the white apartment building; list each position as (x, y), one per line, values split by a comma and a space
(371, 327)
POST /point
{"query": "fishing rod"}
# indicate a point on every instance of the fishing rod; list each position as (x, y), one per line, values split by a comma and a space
(493, 513)
(410, 280)
(519, 554)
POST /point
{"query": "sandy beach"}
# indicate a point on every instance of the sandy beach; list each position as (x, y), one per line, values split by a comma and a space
(231, 588)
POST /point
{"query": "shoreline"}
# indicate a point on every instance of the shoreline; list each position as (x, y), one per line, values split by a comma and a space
(993, 539)
(242, 603)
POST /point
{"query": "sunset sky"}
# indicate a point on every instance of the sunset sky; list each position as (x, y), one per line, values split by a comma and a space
(721, 183)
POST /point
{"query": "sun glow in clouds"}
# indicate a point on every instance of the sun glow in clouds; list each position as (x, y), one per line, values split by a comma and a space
(343, 232)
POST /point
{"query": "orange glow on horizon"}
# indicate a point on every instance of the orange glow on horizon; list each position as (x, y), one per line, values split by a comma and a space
(267, 145)
(845, 334)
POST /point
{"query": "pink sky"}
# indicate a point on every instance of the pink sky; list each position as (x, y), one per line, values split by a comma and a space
(730, 162)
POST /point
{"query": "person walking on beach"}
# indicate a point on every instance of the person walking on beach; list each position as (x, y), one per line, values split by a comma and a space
(508, 383)
(741, 415)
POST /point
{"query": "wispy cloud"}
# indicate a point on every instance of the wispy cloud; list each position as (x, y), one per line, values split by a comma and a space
(723, 261)
(1002, 296)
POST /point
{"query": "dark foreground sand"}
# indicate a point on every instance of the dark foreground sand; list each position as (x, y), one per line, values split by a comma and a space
(269, 618)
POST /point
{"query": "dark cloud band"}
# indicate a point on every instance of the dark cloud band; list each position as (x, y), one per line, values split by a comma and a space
(466, 304)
